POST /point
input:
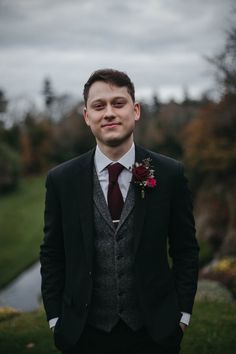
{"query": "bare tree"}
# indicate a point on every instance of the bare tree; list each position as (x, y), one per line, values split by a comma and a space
(225, 63)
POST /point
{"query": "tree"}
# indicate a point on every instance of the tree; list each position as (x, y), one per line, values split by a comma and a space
(48, 93)
(210, 153)
(9, 167)
(3, 102)
(35, 144)
(156, 104)
(225, 64)
(209, 141)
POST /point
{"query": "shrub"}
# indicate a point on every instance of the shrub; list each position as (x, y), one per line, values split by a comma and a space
(6, 313)
(210, 290)
(206, 253)
(224, 271)
(9, 167)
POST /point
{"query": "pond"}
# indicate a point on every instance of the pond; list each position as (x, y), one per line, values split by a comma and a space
(24, 292)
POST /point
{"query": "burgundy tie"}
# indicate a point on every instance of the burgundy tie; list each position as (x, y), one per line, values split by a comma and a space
(114, 196)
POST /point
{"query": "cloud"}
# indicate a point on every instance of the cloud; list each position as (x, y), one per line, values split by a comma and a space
(159, 43)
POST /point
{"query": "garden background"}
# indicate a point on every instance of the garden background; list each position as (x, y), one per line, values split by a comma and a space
(200, 132)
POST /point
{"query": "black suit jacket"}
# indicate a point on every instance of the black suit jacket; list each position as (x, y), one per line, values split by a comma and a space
(163, 224)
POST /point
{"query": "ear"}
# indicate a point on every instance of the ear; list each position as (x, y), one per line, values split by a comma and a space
(85, 114)
(137, 111)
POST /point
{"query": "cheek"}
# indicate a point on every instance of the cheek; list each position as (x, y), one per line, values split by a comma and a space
(130, 119)
(92, 121)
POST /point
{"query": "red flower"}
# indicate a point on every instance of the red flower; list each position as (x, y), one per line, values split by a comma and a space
(140, 173)
(151, 182)
(143, 175)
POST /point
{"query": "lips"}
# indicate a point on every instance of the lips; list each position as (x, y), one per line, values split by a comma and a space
(110, 125)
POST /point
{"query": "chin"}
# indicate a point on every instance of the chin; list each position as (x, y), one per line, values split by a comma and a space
(117, 141)
(114, 142)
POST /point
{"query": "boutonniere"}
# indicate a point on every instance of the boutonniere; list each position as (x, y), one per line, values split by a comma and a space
(143, 175)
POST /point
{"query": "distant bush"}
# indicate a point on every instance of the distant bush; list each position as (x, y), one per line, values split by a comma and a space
(6, 313)
(222, 270)
(9, 168)
(206, 253)
(210, 290)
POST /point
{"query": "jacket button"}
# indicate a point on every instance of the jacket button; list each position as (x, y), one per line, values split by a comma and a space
(86, 305)
(90, 273)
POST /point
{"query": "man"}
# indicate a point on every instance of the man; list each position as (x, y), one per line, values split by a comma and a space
(110, 216)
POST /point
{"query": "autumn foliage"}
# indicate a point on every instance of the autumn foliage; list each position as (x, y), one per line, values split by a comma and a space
(210, 140)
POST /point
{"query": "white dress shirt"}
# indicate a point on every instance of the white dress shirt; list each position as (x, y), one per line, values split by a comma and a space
(101, 161)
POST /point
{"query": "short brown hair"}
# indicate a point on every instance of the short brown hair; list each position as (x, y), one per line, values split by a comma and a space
(111, 76)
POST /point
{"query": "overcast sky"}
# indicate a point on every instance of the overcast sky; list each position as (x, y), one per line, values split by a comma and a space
(159, 43)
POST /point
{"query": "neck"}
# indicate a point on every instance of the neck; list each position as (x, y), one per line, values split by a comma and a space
(114, 153)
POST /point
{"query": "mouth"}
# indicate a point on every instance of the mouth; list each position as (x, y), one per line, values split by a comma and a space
(110, 125)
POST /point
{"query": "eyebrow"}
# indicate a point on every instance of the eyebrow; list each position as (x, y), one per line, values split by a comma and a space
(103, 99)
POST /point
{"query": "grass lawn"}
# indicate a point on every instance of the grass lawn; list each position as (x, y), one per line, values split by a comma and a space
(21, 223)
(212, 331)
(26, 333)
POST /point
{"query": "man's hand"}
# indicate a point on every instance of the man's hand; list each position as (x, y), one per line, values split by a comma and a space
(183, 326)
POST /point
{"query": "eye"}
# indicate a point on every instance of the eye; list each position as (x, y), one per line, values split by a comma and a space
(98, 106)
(119, 103)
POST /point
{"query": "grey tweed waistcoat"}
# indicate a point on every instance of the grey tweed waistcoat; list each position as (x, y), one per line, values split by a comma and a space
(114, 296)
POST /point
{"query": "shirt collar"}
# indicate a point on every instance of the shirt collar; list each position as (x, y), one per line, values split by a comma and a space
(102, 161)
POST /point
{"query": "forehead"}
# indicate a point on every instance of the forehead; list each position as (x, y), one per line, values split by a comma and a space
(101, 90)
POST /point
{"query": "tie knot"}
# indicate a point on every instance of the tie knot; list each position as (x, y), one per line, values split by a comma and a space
(114, 170)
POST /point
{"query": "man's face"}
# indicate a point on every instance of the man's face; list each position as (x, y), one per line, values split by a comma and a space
(111, 114)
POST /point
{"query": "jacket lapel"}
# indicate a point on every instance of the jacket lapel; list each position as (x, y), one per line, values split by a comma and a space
(100, 201)
(85, 198)
(140, 203)
(128, 206)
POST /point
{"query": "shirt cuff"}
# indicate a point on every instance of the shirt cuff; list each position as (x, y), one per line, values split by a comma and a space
(52, 322)
(185, 318)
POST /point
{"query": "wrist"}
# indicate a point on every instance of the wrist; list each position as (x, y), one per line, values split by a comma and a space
(183, 326)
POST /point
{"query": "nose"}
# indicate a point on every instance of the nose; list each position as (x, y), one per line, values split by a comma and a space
(108, 114)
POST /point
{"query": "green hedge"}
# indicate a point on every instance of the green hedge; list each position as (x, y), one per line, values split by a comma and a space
(9, 167)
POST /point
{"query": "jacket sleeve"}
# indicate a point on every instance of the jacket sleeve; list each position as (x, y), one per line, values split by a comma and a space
(52, 256)
(183, 246)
